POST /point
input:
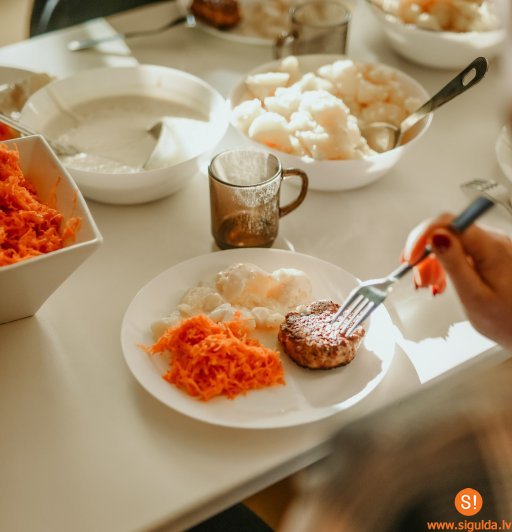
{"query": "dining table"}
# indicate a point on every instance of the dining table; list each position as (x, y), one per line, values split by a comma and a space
(83, 446)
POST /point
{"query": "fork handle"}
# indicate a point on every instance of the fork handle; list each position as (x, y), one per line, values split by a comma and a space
(474, 210)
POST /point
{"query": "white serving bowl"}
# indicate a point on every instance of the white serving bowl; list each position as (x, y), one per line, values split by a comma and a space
(337, 174)
(438, 49)
(58, 98)
(27, 284)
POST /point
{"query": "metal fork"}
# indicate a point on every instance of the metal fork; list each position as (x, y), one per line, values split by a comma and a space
(365, 298)
(492, 190)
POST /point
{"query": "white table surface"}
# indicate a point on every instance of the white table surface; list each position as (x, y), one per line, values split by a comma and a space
(82, 446)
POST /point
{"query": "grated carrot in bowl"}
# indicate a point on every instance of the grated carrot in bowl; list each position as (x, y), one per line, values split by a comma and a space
(28, 227)
(209, 359)
(6, 132)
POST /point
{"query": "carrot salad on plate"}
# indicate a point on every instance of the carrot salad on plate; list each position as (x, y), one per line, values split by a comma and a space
(209, 359)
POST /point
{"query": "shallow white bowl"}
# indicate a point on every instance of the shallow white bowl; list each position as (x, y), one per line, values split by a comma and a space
(26, 285)
(438, 49)
(330, 174)
(148, 80)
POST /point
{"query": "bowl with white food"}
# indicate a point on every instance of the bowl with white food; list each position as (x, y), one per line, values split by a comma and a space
(109, 116)
(443, 34)
(308, 111)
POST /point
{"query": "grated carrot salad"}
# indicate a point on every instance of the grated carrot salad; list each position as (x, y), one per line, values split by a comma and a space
(28, 227)
(210, 359)
(6, 132)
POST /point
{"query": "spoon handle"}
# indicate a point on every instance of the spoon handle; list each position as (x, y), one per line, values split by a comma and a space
(85, 44)
(459, 84)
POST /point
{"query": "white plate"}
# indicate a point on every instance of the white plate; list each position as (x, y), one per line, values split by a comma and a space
(307, 396)
(241, 33)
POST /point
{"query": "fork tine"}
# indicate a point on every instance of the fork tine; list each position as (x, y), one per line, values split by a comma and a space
(369, 309)
(349, 322)
(351, 299)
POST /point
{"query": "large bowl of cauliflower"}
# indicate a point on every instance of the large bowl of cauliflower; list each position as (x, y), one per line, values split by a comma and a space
(309, 110)
(445, 34)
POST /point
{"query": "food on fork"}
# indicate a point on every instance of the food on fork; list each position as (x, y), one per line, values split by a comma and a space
(443, 15)
(222, 14)
(311, 340)
(209, 359)
(318, 114)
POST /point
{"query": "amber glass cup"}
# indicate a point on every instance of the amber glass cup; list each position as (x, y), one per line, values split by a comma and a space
(245, 186)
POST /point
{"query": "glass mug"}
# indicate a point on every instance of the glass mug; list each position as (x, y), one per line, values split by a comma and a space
(245, 186)
(317, 27)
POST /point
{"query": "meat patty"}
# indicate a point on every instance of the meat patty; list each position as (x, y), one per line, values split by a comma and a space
(222, 14)
(310, 340)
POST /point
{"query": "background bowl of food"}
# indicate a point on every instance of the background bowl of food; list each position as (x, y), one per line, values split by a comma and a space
(308, 110)
(46, 229)
(138, 132)
(445, 34)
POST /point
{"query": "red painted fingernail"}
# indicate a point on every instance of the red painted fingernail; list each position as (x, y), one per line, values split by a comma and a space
(441, 243)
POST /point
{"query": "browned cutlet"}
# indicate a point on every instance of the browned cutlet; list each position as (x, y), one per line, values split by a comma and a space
(310, 339)
(222, 14)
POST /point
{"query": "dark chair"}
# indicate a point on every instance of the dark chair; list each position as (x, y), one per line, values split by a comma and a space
(49, 15)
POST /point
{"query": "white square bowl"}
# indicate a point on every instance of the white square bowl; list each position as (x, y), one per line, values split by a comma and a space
(26, 285)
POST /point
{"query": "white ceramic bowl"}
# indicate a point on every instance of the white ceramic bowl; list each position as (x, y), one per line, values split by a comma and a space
(58, 98)
(27, 284)
(438, 49)
(337, 174)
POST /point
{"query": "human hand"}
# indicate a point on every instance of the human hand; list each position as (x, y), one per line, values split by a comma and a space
(479, 264)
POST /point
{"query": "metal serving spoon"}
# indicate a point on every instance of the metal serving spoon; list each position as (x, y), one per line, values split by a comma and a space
(382, 136)
(84, 44)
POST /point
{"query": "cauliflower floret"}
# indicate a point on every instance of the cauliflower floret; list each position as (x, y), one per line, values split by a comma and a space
(272, 130)
(380, 74)
(263, 85)
(200, 299)
(301, 121)
(227, 312)
(411, 104)
(325, 109)
(244, 284)
(292, 288)
(245, 113)
(290, 65)
(344, 75)
(383, 112)
(284, 102)
(311, 82)
(158, 327)
(368, 92)
(266, 318)
(428, 22)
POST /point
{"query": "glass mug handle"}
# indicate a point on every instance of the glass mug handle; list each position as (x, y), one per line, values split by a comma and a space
(291, 172)
(283, 40)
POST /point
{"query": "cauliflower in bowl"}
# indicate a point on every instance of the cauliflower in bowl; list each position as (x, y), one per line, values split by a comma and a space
(319, 114)
(443, 15)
